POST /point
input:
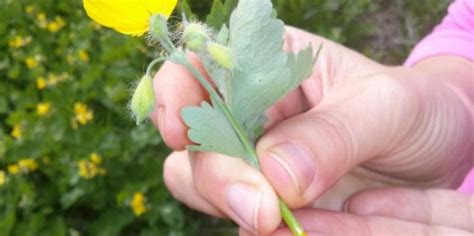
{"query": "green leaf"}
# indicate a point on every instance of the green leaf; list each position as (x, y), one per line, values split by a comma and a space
(68, 199)
(217, 17)
(264, 72)
(261, 74)
(230, 5)
(301, 66)
(187, 12)
(220, 13)
(111, 222)
(210, 128)
(223, 35)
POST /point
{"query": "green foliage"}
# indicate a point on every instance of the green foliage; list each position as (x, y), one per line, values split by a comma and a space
(80, 62)
(211, 129)
(220, 13)
(84, 73)
(262, 74)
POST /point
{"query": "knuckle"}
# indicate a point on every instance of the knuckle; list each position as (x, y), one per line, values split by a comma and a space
(334, 126)
(395, 91)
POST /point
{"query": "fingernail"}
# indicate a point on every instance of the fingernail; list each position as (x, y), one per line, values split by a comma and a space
(296, 161)
(244, 201)
(161, 121)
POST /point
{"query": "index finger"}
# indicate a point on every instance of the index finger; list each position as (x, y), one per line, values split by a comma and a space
(436, 207)
(175, 88)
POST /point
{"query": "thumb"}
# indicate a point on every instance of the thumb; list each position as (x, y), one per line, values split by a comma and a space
(307, 154)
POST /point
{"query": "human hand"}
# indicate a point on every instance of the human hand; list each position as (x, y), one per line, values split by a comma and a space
(393, 212)
(354, 124)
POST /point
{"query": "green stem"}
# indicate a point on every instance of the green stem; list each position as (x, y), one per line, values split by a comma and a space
(286, 214)
(153, 63)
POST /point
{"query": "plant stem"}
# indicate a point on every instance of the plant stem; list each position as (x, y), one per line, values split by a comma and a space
(286, 214)
(153, 63)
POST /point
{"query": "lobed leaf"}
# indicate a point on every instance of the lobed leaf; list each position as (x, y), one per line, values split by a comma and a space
(210, 128)
(261, 75)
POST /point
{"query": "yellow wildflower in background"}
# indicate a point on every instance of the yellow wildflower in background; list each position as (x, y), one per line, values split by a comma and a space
(52, 79)
(95, 158)
(43, 109)
(3, 178)
(29, 9)
(138, 203)
(19, 41)
(41, 18)
(17, 132)
(130, 17)
(56, 25)
(27, 165)
(90, 169)
(82, 113)
(13, 169)
(40, 83)
(32, 61)
(83, 55)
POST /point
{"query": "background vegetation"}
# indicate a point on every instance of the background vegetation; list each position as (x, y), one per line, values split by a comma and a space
(71, 160)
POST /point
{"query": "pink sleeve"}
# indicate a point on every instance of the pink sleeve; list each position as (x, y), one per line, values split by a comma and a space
(468, 185)
(454, 36)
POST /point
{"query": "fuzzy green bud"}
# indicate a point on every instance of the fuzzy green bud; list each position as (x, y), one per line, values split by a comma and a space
(221, 55)
(159, 32)
(195, 36)
(158, 27)
(143, 99)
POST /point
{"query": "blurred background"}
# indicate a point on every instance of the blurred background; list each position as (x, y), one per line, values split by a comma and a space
(72, 162)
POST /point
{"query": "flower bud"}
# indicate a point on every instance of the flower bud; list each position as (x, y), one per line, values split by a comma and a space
(143, 99)
(195, 36)
(221, 55)
(158, 27)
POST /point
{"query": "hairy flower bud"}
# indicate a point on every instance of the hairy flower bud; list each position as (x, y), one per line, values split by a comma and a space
(143, 99)
(195, 36)
(158, 27)
(221, 55)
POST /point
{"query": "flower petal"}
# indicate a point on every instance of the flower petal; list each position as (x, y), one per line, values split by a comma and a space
(127, 16)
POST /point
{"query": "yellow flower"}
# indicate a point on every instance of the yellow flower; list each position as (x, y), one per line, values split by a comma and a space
(13, 169)
(27, 165)
(40, 83)
(29, 9)
(90, 169)
(138, 203)
(82, 113)
(43, 108)
(3, 178)
(52, 79)
(83, 169)
(53, 27)
(18, 41)
(130, 17)
(95, 158)
(17, 132)
(41, 18)
(56, 25)
(83, 55)
(32, 61)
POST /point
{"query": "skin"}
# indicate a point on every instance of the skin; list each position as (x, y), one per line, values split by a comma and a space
(354, 126)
